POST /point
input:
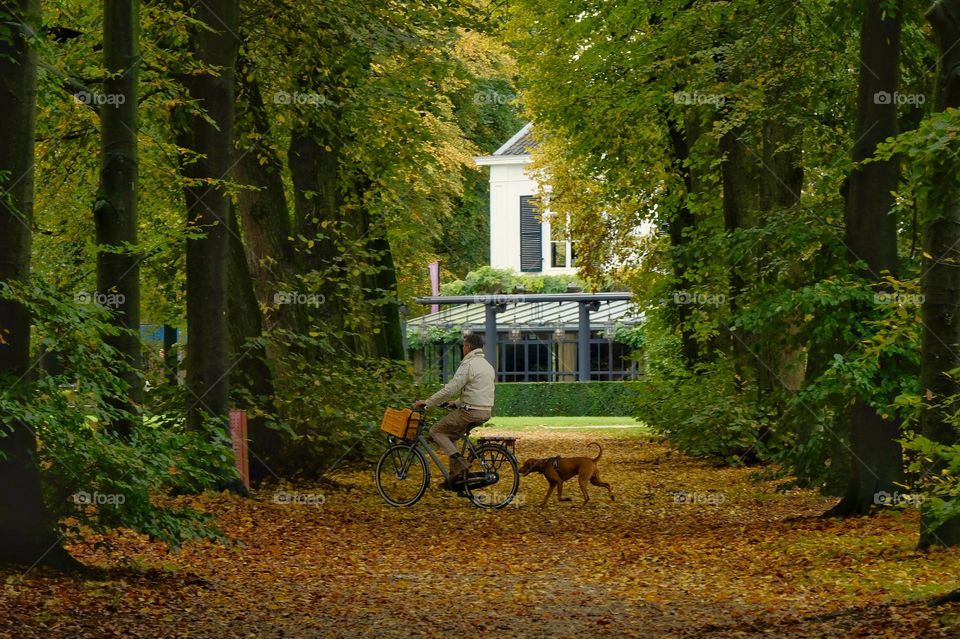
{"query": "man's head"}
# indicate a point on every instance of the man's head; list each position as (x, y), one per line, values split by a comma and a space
(472, 342)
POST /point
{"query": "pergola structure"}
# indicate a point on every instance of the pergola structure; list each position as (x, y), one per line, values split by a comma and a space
(587, 303)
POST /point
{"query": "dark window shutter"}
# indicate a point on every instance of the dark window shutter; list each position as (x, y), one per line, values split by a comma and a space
(531, 236)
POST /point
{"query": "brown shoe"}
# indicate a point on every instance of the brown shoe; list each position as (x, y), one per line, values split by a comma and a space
(458, 466)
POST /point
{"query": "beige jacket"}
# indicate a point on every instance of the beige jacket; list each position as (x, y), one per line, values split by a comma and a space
(474, 381)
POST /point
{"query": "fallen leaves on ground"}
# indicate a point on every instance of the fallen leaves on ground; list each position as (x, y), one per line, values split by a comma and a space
(687, 550)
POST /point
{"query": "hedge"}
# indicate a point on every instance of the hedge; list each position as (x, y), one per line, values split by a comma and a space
(572, 399)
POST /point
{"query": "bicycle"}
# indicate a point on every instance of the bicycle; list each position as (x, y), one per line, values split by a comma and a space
(403, 473)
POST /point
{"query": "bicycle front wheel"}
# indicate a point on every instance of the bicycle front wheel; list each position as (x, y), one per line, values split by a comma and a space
(497, 463)
(402, 475)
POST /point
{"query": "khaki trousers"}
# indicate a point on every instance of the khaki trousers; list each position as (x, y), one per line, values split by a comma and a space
(454, 425)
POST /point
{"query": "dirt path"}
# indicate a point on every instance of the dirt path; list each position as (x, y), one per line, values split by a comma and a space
(686, 551)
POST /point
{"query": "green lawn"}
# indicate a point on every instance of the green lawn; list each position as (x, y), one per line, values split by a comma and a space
(619, 426)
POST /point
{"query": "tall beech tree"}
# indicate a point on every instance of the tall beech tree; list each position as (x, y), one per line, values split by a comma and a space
(871, 238)
(682, 136)
(209, 135)
(262, 206)
(115, 210)
(250, 375)
(27, 531)
(940, 283)
(778, 118)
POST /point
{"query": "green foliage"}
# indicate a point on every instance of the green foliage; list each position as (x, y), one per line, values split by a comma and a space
(796, 332)
(701, 414)
(545, 399)
(713, 413)
(487, 113)
(810, 440)
(330, 412)
(92, 477)
(417, 338)
(486, 280)
(96, 479)
(633, 335)
(935, 468)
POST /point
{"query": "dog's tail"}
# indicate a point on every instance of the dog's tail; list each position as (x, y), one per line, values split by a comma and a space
(599, 451)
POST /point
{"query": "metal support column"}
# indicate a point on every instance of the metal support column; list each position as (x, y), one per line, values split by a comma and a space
(444, 363)
(583, 343)
(490, 334)
(583, 340)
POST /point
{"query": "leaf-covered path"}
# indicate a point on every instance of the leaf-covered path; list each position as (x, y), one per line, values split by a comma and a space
(687, 550)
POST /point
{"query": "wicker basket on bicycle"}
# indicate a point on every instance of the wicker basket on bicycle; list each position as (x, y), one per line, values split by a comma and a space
(401, 422)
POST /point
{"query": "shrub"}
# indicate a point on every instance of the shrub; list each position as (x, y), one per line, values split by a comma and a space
(940, 489)
(92, 477)
(486, 280)
(106, 481)
(700, 414)
(543, 399)
(328, 403)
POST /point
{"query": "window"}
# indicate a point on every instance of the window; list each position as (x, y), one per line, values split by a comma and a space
(524, 360)
(558, 254)
(531, 236)
(562, 252)
(610, 361)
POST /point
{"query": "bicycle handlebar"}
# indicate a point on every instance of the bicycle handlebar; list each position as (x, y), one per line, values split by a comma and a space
(446, 405)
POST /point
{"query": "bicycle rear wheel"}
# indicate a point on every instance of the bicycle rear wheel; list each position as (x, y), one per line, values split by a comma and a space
(497, 462)
(402, 475)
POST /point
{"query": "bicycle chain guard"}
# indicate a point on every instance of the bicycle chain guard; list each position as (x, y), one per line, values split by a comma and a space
(476, 480)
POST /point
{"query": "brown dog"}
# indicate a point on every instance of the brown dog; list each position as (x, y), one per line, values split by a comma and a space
(559, 469)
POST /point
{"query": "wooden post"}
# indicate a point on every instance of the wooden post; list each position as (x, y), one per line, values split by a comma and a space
(238, 434)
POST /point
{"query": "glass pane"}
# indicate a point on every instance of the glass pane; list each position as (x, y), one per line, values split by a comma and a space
(558, 254)
(539, 357)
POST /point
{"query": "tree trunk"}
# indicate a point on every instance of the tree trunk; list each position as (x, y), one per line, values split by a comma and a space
(940, 283)
(27, 530)
(381, 287)
(871, 237)
(171, 363)
(263, 212)
(741, 201)
(251, 379)
(780, 187)
(386, 283)
(755, 183)
(115, 211)
(315, 169)
(779, 367)
(208, 209)
(681, 225)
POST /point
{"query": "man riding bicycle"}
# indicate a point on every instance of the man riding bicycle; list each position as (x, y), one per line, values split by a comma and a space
(474, 382)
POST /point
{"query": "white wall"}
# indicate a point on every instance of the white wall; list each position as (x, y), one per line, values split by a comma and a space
(508, 182)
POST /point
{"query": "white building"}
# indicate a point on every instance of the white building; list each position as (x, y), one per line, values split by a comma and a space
(522, 237)
(529, 337)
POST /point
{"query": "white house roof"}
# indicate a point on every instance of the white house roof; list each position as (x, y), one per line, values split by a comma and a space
(532, 316)
(516, 150)
(520, 144)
